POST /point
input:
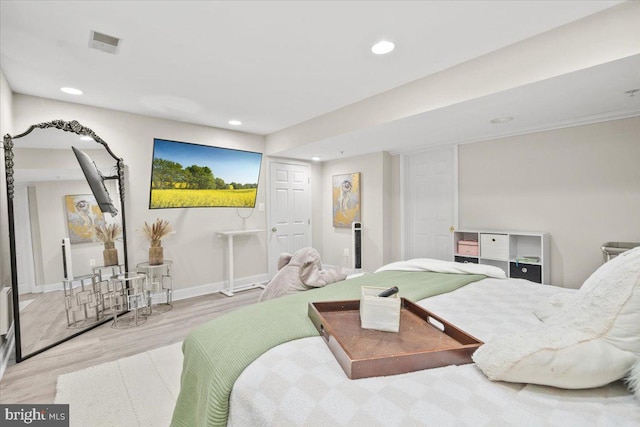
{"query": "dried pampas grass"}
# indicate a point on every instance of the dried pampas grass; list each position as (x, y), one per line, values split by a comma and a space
(157, 230)
(108, 232)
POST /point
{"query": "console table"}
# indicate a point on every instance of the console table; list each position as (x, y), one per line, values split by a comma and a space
(229, 235)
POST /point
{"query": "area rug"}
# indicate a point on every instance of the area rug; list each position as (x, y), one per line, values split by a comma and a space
(139, 390)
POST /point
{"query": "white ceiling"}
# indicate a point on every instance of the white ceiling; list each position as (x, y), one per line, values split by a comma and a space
(274, 64)
(591, 95)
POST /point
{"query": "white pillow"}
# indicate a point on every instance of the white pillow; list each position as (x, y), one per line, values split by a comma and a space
(591, 340)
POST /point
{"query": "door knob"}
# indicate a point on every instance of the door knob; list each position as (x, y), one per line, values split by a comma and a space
(274, 229)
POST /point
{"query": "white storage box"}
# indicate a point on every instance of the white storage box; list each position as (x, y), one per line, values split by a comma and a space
(468, 247)
(379, 313)
(494, 246)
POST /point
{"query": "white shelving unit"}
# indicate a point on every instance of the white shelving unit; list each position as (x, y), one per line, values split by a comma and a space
(503, 248)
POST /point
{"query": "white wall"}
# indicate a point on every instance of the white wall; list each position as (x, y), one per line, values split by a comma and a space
(317, 190)
(580, 184)
(199, 258)
(6, 127)
(394, 226)
(375, 182)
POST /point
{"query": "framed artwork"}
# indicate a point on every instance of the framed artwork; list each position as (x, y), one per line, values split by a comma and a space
(346, 199)
(83, 213)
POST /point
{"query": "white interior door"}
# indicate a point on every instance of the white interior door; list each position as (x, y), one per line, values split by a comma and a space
(289, 210)
(429, 201)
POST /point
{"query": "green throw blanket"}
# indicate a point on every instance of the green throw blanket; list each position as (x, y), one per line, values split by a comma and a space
(216, 353)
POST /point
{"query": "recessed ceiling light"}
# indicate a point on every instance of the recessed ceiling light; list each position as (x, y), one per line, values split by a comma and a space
(501, 120)
(71, 90)
(382, 47)
(86, 138)
(235, 122)
(315, 158)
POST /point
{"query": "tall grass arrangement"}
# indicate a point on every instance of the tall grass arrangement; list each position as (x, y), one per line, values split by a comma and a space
(157, 230)
(108, 232)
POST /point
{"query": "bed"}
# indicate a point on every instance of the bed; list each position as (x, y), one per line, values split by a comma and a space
(240, 370)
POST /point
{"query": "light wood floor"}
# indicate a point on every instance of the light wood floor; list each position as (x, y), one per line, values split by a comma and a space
(34, 380)
(43, 321)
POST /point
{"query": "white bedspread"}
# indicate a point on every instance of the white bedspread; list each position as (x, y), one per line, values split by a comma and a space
(301, 384)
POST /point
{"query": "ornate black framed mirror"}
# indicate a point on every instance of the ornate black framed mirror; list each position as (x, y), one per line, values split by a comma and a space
(61, 202)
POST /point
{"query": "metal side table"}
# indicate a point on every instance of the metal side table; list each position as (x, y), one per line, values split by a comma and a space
(106, 272)
(159, 285)
(129, 293)
(83, 301)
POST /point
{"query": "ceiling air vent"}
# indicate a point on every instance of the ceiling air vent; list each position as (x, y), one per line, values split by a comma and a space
(104, 42)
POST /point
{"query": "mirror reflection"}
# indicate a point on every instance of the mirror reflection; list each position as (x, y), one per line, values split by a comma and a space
(65, 245)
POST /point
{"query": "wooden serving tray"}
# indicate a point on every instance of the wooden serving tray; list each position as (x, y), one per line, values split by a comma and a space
(424, 341)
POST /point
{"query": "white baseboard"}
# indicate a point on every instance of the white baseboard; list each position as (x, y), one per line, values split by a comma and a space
(6, 349)
(210, 288)
(37, 289)
(51, 287)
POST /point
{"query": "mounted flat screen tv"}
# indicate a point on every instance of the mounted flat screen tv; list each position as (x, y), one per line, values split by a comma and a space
(96, 182)
(186, 175)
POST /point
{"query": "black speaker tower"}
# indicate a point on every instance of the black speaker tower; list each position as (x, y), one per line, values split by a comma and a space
(356, 228)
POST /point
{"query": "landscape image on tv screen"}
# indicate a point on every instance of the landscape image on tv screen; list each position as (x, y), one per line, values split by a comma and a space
(185, 175)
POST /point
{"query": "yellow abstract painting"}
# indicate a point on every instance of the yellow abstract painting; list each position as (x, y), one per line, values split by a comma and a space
(83, 213)
(346, 199)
